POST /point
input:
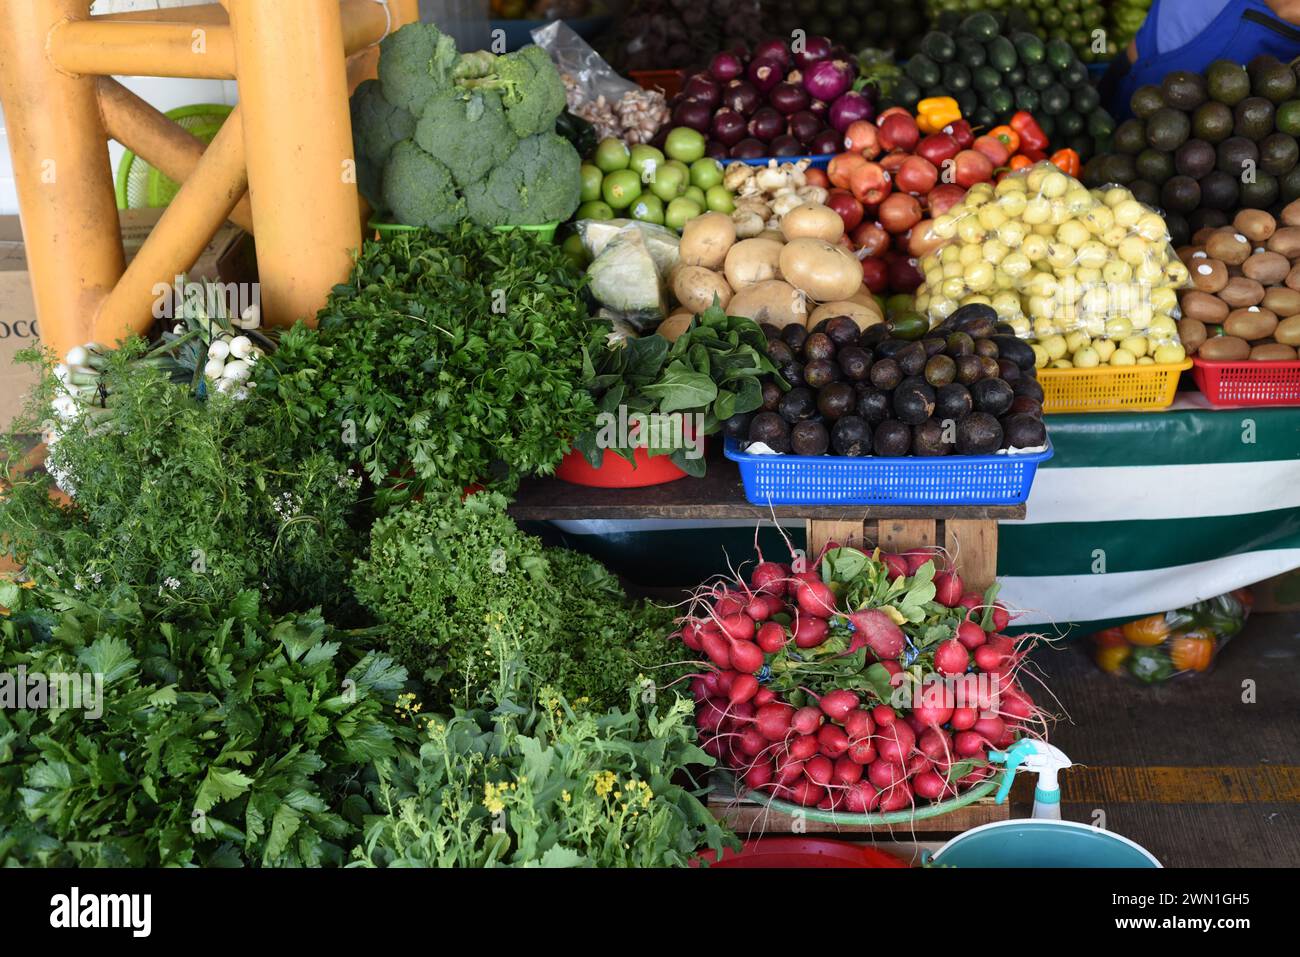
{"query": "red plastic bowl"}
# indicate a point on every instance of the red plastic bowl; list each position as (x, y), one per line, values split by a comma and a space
(615, 472)
(802, 852)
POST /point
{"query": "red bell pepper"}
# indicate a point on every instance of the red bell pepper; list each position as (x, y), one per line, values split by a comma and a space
(1031, 134)
(1067, 161)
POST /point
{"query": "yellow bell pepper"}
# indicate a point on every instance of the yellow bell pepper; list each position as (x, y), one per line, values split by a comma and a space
(1112, 658)
(936, 112)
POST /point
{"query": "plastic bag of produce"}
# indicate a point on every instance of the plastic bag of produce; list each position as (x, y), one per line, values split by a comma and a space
(591, 76)
(1089, 277)
(629, 263)
(1186, 640)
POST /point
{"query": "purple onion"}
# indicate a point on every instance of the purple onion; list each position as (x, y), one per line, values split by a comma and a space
(804, 125)
(785, 145)
(774, 49)
(815, 49)
(748, 149)
(765, 73)
(741, 96)
(828, 79)
(728, 127)
(725, 67)
(766, 124)
(788, 98)
(715, 150)
(694, 114)
(704, 88)
(819, 107)
(827, 141)
(849, 108)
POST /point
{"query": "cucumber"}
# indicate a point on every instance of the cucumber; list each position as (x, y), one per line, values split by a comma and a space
(1000, 101)
(1100, 124)
(1056, 99)
(984, 117)
(1016, 77)
(971, 52)
(1059, 53)
(980, 26)
(923, 71)
(1002, 54)
(1075, 75)
(1085, 99)
(985, 78)
(1026, 98)
(967, 102)
(939, 47)
(1040, 76)
(956, 77)
(1031, 49)
(1070, 124)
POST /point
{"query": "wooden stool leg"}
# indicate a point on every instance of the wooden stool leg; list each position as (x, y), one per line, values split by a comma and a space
(298, 142)
(65, 186)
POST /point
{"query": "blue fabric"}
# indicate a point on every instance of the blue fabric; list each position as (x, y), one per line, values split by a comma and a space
(1239, 31)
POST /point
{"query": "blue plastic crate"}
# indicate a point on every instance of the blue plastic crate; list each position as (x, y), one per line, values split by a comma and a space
(837, 480)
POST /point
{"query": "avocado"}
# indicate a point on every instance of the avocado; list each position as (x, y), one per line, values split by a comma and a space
(960, 344)
(1254, 118)
(770, 429)
(1205, 218)
(809, 438)
(1023, 431)
(1156, 166)
(1029, 387)
(1100, 124)
(737, 427)
(911, 359)
(842, 330)
(993, 396)
(1235, 155)
(913, 401)
(972, 315)
(978, 434)
(1131, 136)
(1195, 158)
(1262, 193)
(1168, 129)
(792, 372)
(928, 439)
(820, 373)
(892, 439)
(855, 362)
(873, 404)
(1227, 82)
(836, 400)
(771, 396)
(1278, 154)
(889, 348)
(1009, 347)
(794, 336)
(1146, 101)
(1181, 194)
(1271, 79)
(851, 437)
(1118, 168)
(818, 345)
(1290, 187)
(797, 405)
(885, 374)
(874, 335)
(1287, 118)
(953, 401)
(970, 369)
(1213, 122)
(1145, 192)
(1184, 90)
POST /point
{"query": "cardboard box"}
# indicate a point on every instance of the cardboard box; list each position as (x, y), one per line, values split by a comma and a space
(228, 258)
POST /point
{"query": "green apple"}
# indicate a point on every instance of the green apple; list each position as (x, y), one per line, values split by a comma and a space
(612, 154)
(680, 210)
(646, 160)
(685, 144)
(669, 183)
(696, 195)
(621, 188)
(591, 180)
(594, 210)
(706, 172)
(648, 208)
(719, 199)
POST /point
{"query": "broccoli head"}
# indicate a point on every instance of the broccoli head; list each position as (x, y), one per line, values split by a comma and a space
(370, 181)
(537, 183)
(419, 189)
(377, 125)
(416, 62)
(530, 88)
(467, 132)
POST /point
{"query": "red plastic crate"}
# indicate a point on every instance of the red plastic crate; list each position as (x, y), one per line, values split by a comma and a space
(1248, 383)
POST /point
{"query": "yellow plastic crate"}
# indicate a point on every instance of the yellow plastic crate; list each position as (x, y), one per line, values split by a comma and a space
(1111, 388)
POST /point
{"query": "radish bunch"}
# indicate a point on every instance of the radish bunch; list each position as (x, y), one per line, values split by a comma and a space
(802, 693)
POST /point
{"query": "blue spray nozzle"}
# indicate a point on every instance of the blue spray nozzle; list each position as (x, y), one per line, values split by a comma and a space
(1013, 757)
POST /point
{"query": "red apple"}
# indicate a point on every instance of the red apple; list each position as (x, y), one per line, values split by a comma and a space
(921, 240)
(944, 197)
(961, 131)
(894, 161)
(972, 167)
(938, 147)
(875, 273)
(917, 176)
(871, 238)
(900, 212)
(904, 274)
(848, 208)
(899, 131)
(871, 184)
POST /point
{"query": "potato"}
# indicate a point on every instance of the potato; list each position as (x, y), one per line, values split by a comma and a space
(1282, 301)
(706, 240)
(1273, 352)
(1267, 268)
(1208, 275)
(864, 316)
(1256, 225)
(751, 261)
(1250, 324)
(1225, 349)
(695, 288)
(772, 234)
(1241, 293)
(826, 273)
(774, 301)
(1291, 214)
(1286, 242)
(812, 221)
(675, 325)
(1204, 307)
(1229, 247)
(1192, 333)
(1288, 331)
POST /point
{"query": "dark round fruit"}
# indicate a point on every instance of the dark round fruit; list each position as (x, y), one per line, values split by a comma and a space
(1008, 371)
(851, 436)
(933, 346)
(989, 367)
(1018, 351)
(1195, 158)
(792, 372)
(873, 405)
(855, 362)
(819, 373)
(837, 399)
(890, 348)
(873, 335)
(779, 352)
(931, 438)
(885, 374)
(1029, 387)
(912, 360)
(892, 439)
(1168, 129)
(940, 371)
(1278, 154)
(809, 438)
(797, 405)
(770, 331)
(1024, 405)
(772, 430)
(771, 396)
(1181, 194)
(960, 344)
(1220, 190)
(970, 369)
(794, 336)
(1023, 432)
(818, 346)
(978, 434)
(987, 348)
(972, 313)
(820, 327)
(993, 396)
(953, 402)
(737, 427)
(842, 330)
(913, 401)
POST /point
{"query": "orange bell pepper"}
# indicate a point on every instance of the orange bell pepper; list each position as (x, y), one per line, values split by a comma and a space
(1192, 651)
(1008, 136)
(936, 112)
(1021, 162)
(1151, 630)
(1067, 161)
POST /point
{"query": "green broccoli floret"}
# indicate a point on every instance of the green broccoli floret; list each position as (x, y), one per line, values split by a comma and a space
(530, 87)
(370, 181)
(467, 132)
(419, 189)
(377, 125)
(537, 183)
(415, 63)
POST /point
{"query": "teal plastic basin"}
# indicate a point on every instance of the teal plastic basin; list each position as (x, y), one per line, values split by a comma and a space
(1037, 843)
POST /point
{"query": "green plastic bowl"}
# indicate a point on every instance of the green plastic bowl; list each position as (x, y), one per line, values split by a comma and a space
(545, 231)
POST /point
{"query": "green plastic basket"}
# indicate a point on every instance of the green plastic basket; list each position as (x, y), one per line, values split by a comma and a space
(141, 186)
(545, 231)
(922, 813)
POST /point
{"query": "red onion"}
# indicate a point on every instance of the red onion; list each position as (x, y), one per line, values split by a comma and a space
(726, 66)
(804, 125)
(785, 145)
(741, 96)
(850, 107)
(815, 49)
(774, 49)
(715, 150)
(704, 88)
(819, 107)
(827, 141)
(828, 79)
(748, 149)
(694, 114)
(788, 98)
(765, 73)
(766, 124)
(728, 127)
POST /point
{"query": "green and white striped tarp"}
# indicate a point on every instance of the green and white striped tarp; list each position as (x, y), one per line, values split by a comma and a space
(1136, 513)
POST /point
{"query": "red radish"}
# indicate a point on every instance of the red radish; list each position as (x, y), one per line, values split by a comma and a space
(713, 682)
(990, 727)
(971, 600)
(968, 744)
(771, 637)
(728, 604)
(935, 744)
(770, 578)
(743, 689)
(819, 769)
(862, 751)
(746, 656)
(895, 671)
(931, 786)
(895, 742)
(963, 719)
(764, 696)
(788, 771)
(884, 773)
(715, 646)
(896, 564)
(1001, 618)
(691, 635)
(700, 688)
(762, 607)
(751, 742)
(917, 763)
(861, 798)
(1002, 643)
(836, 705)
(832, 740)
(1007, 739)
(738, 627)
(742, 712)
(815, 598)
(809, 632)
(709, 717)
(806, 793)
(1016, 703)
(858, 725)
(931, 716)
(759, 775)
(883, 715)
(774, 720)
(971, 635)
(805, 578)
(951, 658)
(847, 771)
(883, 637)
(975, 777)
(989, 659)
(916, 557)
(713, 747)
(806, 720)
(947, 588)
(915, 723)
(725, 678)
(803, 747)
